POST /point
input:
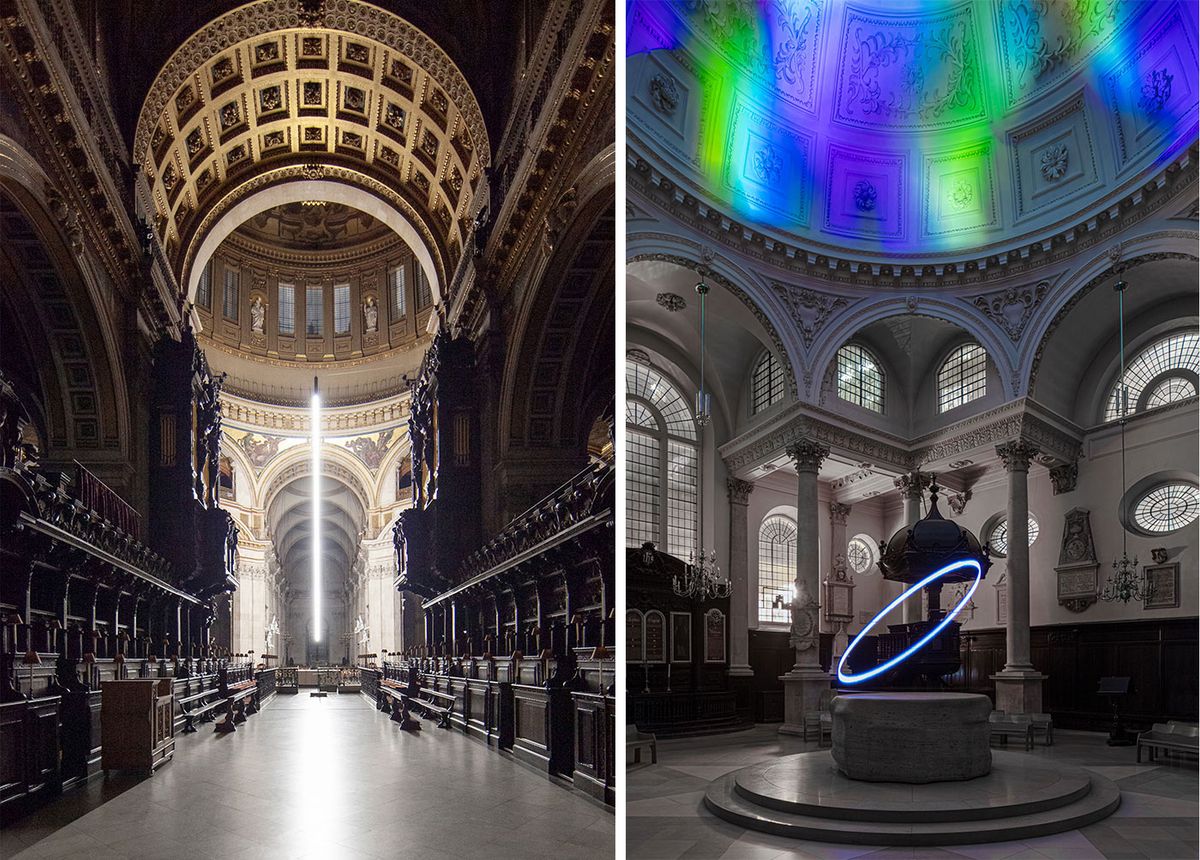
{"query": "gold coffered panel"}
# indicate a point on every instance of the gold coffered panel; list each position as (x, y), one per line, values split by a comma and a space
(255, 93)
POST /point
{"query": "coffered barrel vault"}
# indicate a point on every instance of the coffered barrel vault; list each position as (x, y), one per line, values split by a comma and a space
(269, 93)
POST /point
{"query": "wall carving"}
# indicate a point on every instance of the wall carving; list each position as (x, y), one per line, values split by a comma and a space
(808, 309)
(1011, 308)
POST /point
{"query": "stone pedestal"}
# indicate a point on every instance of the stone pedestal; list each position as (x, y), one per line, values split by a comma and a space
(1019, 692)
(912, 737)
(802, 691)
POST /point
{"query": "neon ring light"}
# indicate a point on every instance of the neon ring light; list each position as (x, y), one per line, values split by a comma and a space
(924, 640)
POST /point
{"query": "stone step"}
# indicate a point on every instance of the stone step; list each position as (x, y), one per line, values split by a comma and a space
(1101, 800)
(809, 784)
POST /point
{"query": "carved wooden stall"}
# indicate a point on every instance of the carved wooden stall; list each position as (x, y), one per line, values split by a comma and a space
(676, 652)
(92, 593)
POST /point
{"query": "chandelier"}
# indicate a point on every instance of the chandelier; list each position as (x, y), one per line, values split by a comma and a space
(702, 578)
(1125, 583)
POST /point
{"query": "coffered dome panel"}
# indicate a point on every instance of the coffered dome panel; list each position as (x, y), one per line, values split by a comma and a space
(270, 93)
(909, 129)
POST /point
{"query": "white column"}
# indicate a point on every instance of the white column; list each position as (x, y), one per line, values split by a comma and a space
(739, 579)
(802, 687)
(911, 487)
(1019, 685)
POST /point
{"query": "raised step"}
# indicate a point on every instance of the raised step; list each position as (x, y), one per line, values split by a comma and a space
(1100, 799)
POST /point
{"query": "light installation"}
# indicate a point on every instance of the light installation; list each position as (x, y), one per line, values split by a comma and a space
(777, 110)
(315, 421)
(847, 678)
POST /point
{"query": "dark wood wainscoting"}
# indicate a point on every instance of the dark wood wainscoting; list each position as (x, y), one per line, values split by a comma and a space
(1159, 655)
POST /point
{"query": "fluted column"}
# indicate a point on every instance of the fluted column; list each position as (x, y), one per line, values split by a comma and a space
(739, 584)
(1019, 685)
(803, 685)
(911, 487)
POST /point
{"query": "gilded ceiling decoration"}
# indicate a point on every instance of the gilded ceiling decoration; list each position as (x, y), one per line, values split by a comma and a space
(269, 93)
(314, 226)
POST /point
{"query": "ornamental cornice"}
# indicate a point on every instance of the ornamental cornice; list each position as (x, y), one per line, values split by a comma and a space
(246, 414)
(356, 256)
(1022, 419)
(908, 271)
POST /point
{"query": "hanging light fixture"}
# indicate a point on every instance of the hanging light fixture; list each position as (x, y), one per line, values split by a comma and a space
(1125, 583)
(702, 579)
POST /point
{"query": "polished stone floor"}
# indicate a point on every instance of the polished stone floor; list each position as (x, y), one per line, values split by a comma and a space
(326, 778)
(1158, 817)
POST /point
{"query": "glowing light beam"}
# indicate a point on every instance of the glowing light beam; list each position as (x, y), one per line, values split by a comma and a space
(924, 640)
(315, 420)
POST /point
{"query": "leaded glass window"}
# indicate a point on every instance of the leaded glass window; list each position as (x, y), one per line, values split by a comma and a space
(397, 299)
(776, 568)
(663, 461)
(999, 537)
(962, 377)
(287, 309)
(314, 316)
(1167, 507)
(859, 555)
(341, 309)
(230, 299)
(424, 294)
(1149, 381)
(204, 288)
(859, 378)
(766, 383)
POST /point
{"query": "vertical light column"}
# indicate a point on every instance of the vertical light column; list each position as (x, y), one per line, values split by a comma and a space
(315, 420)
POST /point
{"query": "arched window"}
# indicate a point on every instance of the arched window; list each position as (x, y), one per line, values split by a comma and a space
(859, 378)
(1167, 507)
(962, 377)
(662, 463)
(998, 540)
(776, 568)
(766, 384)
(1162, 373)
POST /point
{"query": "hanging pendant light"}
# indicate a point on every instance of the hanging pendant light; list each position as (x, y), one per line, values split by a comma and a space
(1126, 582)
(702, 578)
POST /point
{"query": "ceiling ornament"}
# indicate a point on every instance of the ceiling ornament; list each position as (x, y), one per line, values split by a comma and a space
(671, 301)
(1054, 160)
(808, 309)
(1156, 91)
(664, 94)
(1011, 309)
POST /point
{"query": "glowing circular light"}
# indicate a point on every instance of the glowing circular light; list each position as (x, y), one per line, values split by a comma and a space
(924, 640)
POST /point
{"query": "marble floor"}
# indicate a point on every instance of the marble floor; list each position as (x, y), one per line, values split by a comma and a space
(326, 778)
(1158, 817)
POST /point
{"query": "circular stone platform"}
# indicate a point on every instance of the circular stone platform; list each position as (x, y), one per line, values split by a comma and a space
(804, 796)
(911, 737)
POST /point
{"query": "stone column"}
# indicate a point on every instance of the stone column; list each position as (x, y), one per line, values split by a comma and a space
(1019, 685)
(911, 487)
(739, 585)
(802, 687)
(838, 515)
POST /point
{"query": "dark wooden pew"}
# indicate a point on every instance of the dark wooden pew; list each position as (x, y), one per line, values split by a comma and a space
(238, 689)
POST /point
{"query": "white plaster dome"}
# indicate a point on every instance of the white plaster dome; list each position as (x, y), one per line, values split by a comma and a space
(900, 129)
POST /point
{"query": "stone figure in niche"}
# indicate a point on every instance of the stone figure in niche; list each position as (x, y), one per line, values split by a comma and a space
(258, 315)
(370, 315)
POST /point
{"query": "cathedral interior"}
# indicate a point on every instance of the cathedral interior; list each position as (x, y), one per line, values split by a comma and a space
(306, 399)
(911, 428)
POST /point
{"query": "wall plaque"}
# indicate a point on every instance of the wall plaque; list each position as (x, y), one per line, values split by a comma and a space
(1162, 582)
(634, 637)
(656, 637)
(714, 636)
(681, 637)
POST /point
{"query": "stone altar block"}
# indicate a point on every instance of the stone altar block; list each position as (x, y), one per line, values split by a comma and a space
(911, 737)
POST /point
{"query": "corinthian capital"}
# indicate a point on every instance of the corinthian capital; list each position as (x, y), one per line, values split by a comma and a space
(1016, 455)
(739, 490)
(838, 513)
(912, 485)
(807, 454)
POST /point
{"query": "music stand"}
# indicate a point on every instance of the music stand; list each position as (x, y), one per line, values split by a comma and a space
(1113, 687)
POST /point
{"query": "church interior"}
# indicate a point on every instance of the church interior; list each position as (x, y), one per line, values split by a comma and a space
(307, 453)
(911, 429)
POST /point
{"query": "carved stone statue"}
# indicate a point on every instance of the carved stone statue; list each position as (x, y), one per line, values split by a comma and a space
(370, 315)
(258, 315)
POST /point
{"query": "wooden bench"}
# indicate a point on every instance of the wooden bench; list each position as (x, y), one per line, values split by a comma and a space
(238, 689)
(426, 701)
(1018, 725)
(635, 740)
(1172, 737)
(198, 707)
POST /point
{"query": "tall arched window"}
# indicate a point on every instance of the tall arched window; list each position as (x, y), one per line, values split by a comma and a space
(1165, 371)
(662, 462)
(962, 377)
(766, 383)
(859, 378)
(776, 567)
